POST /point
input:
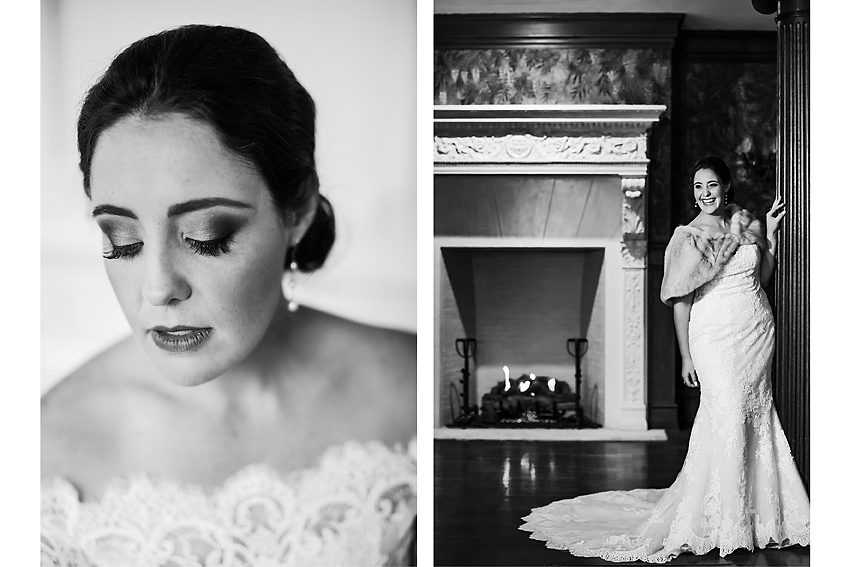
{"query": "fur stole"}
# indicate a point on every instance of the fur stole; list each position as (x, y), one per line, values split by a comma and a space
(694, 257)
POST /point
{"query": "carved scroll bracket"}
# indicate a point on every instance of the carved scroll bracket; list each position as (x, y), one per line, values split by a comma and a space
(634, 221)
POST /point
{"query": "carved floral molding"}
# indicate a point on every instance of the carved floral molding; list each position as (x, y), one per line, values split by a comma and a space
(635, 337)
(538, 149)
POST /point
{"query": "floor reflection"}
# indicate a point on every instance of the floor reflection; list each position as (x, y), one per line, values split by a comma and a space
(482, 489)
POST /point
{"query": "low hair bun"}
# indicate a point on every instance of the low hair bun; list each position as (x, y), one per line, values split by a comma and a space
(316, 243)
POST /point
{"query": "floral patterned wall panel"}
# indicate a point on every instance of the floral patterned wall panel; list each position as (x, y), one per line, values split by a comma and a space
(729, 110)
(552, 76)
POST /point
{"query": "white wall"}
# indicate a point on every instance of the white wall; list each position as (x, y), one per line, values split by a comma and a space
(357, 59)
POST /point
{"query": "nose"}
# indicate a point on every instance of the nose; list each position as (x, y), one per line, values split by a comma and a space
(164, 283)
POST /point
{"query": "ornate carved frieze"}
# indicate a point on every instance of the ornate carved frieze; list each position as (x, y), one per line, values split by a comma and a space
(543, 139)
(539, 149)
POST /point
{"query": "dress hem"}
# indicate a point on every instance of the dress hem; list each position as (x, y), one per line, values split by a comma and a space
(664, 556)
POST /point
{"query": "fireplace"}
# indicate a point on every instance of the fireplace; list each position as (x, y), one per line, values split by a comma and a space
(521, 304)
(539, 237)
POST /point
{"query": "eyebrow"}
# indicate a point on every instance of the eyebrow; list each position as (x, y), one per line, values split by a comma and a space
(112, 210)
(174, 210)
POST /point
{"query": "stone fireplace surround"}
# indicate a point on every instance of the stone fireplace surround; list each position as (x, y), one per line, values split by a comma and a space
(564, 140)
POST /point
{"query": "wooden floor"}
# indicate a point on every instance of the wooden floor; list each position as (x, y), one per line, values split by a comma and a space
(483, 488)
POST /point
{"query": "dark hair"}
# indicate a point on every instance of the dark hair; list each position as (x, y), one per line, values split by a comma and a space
(720, 169)
(233, 80)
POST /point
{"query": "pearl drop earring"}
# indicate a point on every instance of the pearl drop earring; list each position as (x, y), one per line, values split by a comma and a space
(290, 287)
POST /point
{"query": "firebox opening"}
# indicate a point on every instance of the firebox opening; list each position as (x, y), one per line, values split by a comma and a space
(521, 305)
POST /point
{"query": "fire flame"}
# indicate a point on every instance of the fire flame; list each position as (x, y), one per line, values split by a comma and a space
(507, 372)
(552, 384)
(532, 376)
(523, 386)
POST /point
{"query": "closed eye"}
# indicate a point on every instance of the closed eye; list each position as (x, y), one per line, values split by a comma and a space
(214, 247)
(128, 251)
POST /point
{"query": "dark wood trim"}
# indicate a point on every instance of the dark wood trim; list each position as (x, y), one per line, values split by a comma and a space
(663, 417)
(715, 46)
(662, 410)
(502, 31)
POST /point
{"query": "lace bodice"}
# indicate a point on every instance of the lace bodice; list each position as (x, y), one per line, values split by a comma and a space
(356, 507)
(738, 275)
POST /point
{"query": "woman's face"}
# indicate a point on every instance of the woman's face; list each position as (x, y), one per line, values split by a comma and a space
(709, 191)
(193, 243)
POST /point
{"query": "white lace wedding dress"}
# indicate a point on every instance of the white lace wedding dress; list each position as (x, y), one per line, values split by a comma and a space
(739, 487)
(357, 507)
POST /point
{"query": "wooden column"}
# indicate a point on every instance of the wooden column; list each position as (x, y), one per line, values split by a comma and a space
(791, 365)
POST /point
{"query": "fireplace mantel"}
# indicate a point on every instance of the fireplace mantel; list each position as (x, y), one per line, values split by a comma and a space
(543, 139)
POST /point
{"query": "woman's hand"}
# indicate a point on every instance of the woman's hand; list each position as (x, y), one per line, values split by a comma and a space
(689, 375)
(775, 216)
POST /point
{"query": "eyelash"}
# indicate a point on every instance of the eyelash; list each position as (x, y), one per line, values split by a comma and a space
(211, 247)
(201, 247)
(128, 251)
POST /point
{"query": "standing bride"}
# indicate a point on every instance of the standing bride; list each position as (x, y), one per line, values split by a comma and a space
(739, 487)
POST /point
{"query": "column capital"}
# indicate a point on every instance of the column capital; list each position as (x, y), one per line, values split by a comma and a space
(790, 11)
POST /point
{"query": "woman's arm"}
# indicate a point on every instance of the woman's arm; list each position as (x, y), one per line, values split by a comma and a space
(768, 260)
(774, 223)
(681, 318)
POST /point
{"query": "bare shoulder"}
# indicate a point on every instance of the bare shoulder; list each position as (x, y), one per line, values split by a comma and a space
(82, 416)
(374, 368)
(697, 222)
(377, 348)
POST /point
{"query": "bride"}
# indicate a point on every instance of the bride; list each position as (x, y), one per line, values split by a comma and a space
(234, 428)
(738, 487)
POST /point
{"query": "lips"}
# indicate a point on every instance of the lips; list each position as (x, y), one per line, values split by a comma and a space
(180, 338)
(709, 201)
